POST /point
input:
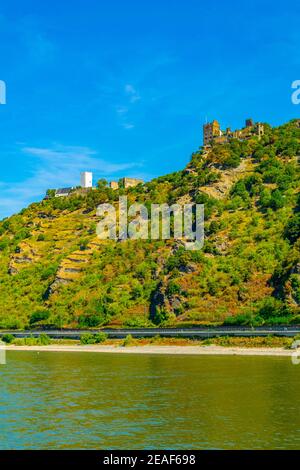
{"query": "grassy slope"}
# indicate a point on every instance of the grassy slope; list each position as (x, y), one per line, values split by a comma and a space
(54, 268)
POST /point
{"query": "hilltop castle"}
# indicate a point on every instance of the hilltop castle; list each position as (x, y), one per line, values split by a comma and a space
(212, 132)
(125, 183)
(86, 184)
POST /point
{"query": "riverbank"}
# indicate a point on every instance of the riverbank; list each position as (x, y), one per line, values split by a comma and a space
(155, 349)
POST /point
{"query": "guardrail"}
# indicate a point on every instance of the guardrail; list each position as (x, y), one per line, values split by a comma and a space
(166, 332)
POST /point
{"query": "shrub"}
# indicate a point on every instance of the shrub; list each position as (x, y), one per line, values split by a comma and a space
(89, 338)
(21, 235)
(128, 340)
(44, 339)
(4, 243)
(100, 337)
(155, 339)
(137, 322)
(271, 307)
(48, 272)
(83, 244)
(50, 193)
(38, 316)
(91, 321)
(7, 338)
(173, 288)
(11, 323)
(292, 231)
(245, 319)
(284, 320)
(277, 200)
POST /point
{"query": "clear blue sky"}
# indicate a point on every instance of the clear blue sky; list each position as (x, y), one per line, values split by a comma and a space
(123, 87)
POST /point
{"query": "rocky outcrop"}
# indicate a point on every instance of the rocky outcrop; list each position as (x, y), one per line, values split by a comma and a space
(292, 286)
(286, 280)
(69, 270)
(162, 300)
(221, 188)
(24, 255)
(44, 215)
(54, 286)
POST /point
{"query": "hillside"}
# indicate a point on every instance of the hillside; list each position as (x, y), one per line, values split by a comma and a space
(55, 271)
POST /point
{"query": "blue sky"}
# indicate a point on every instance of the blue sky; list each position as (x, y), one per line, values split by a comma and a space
(122, 87)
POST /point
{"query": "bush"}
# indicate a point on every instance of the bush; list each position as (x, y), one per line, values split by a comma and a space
(44, 339)
(246, 319)
(7, 338)
(273, 321)
(38, 316)
(295, 320)
(91, 321)
(232, 161)
(83, 244)
(11, 323)
(101, 337)
(48, 272)
(4, 243)
(277, 200)
(292, 231)
(128, 340)
(271, 307)
(137, 322)
(89, 338)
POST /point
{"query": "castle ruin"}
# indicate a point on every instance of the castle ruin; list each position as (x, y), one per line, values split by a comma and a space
(212, 132)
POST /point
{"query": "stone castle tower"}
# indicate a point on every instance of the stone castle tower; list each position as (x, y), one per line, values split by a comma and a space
(210, 131)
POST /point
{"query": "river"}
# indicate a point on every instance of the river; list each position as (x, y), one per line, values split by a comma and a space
(79, 400)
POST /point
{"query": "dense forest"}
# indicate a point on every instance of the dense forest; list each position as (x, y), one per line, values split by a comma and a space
(55, 271)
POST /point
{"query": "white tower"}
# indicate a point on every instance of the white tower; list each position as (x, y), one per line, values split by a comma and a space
(86, 179)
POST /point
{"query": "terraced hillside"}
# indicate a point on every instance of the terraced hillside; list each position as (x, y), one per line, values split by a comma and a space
(56, 271)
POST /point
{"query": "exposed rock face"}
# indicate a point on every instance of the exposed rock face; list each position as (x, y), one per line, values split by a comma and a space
(292, 286)
(23, 259)
(23, 256)
(69, 270)
(43, 215)
(12, 270)
(187, 268)
(72, 270)
(222, 244)
(163, 301)
(221, 188)
(54, 286)
(158, 299)
(176, 245)
(76, 260)
(286, 280)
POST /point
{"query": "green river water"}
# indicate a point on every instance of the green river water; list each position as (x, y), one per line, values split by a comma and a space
(109, 401)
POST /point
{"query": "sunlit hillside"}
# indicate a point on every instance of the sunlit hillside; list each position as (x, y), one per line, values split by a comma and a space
(55, 271)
